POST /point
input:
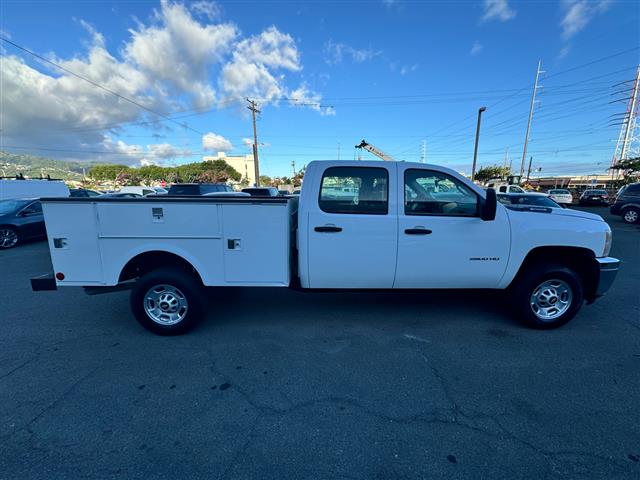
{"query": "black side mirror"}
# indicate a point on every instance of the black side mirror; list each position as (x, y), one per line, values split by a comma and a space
(488, 206)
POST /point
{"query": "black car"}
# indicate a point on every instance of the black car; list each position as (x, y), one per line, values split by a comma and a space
(627, 203)
(527, 199)
(262, 191)
(594, 197)
(83, 193)
(197, 189)
(20, 220)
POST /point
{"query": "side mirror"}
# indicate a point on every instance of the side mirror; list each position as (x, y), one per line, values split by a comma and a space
(488, 206)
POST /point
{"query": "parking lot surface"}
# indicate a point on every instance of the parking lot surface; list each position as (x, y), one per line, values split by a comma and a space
(282, 384)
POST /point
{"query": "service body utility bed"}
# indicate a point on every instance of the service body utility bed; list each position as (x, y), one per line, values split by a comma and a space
(229, 241)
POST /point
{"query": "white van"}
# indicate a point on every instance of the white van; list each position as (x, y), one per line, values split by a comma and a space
(140, 190)
(14, 188)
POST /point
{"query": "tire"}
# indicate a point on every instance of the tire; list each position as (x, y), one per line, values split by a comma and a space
(630, 215)
(547, 296)
(9, 238)
(168, 301)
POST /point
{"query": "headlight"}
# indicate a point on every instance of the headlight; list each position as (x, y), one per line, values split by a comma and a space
(608, 238)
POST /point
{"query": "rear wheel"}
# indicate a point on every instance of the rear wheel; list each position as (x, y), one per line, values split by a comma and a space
(547, 296)
(8, 237)
(630, 215)
(168, 301)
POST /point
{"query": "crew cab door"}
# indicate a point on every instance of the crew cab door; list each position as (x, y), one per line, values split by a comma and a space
(442, 241)
(352, 230)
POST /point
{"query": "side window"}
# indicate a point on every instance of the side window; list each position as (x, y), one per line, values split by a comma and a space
(360, 190)
(427, 192)
(633, 190)
(147, 192)
(503, 189)
(33, 209)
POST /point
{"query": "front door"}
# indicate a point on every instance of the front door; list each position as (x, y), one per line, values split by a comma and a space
(353, 232)
(442, 241)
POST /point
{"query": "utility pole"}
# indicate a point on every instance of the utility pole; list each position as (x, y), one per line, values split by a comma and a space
(423, 155)
(293, 166)
(529, 169)
(338, 150)
(533, 101)
(475, 150)
(253, 106)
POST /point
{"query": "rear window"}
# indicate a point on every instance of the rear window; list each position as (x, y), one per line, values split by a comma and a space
(214, 189)
(359, 190)
(184, 190)
(559, 192)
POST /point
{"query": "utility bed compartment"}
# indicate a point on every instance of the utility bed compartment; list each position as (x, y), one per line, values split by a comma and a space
(229, 241)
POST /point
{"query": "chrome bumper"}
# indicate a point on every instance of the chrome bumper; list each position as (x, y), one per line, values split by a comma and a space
(609, 267)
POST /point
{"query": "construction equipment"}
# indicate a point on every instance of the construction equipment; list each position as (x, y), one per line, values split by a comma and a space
(378, 153)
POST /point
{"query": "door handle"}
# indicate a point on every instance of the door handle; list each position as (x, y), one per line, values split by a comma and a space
(417, 231)
(328, 229)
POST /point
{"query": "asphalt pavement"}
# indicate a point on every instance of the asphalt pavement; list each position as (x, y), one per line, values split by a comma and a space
(279, 384)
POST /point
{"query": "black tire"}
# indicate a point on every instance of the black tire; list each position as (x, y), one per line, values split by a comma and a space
(561, 279)
(178, 294)
(4, 241)
(630, 215)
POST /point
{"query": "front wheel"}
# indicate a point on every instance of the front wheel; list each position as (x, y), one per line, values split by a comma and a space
(630, 215)
(548, 296)
(8, 237)
(168, 301)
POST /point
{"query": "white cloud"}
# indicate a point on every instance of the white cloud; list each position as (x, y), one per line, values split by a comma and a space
(215, 142)
(476, 48)
(579, 13)
(335, 53)
(247, 142)
(408, 69)
(166, 150)
(210, 10)
(170, 63)
(302, 96)
(497, 10)
(389, 3)
(564, 51)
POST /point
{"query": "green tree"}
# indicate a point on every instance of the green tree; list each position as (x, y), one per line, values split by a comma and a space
(630, 169)
(485, 174)
(104, 172)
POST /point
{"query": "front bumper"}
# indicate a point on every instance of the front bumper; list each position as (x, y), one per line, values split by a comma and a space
(609, 267)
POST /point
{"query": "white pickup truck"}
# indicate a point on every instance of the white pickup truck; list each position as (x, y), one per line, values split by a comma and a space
(356, 225)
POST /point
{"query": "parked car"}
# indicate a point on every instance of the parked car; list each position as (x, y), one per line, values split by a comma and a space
(197, 189)
(83, 193)
(14, 189)
(20, 220)
(121, 195)
(396, 232)
(140, 190)
(531, 199)
(505, 188)
(262, 191)
(561, 196)
(627, 203)
(594, 197)
(226, 194)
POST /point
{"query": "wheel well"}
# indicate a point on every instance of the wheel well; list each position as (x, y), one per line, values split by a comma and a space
(580, 260)
(148, 261)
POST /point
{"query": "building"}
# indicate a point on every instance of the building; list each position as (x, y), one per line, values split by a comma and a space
(244, 164)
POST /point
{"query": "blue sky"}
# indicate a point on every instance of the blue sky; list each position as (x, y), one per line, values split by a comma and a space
(327, 74)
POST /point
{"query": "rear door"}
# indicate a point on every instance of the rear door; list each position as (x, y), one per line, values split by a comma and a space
(352, 232)
(442, 241)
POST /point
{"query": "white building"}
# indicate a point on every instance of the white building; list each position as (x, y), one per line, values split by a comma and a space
(244, 164)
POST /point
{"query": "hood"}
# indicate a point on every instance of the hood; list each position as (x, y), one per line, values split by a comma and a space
(568, 212)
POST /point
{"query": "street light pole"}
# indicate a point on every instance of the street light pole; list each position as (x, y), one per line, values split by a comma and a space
(475, 150)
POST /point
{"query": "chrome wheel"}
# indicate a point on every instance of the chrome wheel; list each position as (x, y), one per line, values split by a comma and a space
(8, 238)
(630, 216)
(551, 299)
(165, 304)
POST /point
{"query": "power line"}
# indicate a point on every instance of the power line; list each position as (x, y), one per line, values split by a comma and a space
(95, 84)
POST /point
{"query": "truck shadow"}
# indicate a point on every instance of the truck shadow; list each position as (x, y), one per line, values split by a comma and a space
(233, 305)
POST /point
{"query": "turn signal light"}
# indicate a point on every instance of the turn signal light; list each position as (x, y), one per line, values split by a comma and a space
(60, 276)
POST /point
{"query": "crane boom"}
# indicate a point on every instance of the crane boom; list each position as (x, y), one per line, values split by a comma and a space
(378, 153)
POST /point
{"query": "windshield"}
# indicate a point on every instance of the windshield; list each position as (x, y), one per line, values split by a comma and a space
(10, 206)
